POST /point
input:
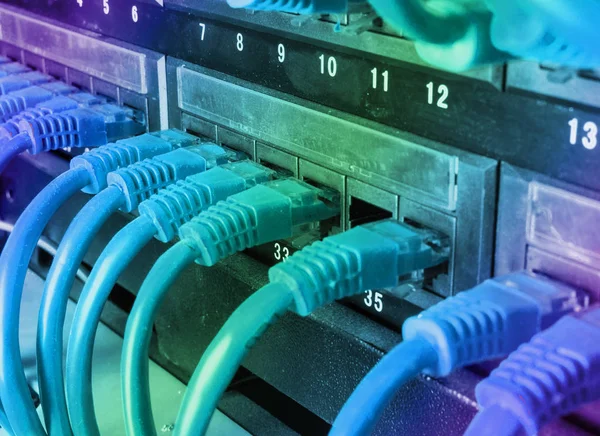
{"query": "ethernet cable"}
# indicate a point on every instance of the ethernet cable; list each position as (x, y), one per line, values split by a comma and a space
(46, 245)
(9, 68)
(161, 215)
(127, 188)
(552, 375)
(484, 323)
(61, 103)
(23, 80)
(15, 102)
(258, 215)
(372, 256)
(293, 6)
(88, 173)
(82, 127)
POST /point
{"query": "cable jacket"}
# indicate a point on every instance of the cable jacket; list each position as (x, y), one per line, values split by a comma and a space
(14, 262)
(135, 387)
(112, 262)
(225, 354)
(421, 22)
(4, 421)
(13, 147)
(496, 420)
(362, 411)
(53, 308)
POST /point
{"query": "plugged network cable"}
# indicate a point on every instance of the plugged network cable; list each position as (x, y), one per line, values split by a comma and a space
(372, 256)
(88, 173)
(55, 105)
(258, 215)
(24, 80)
(461, 34)
(162, 214)
(484, 323)
(15, 102)
(62, 129)
(127, 188)
(10, 68)
(552, 375)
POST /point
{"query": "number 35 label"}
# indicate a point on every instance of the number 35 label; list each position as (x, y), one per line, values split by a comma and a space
(374, 299)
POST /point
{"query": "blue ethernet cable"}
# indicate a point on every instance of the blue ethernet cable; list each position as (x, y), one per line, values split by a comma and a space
(265, 212)
(88, 173)
(23, 80)
(127, 188)
(552, 375)
(15, 102)
(372, 256)
(10, 68)
(484, 323)
(60, 128)
(61, 103)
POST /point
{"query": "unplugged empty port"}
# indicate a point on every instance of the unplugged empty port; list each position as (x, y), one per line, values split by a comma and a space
(362, 212)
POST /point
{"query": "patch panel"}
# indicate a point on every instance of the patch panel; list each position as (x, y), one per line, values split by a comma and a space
(500, 162)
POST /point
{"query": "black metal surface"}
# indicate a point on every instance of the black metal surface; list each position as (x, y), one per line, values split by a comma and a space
(520, 129)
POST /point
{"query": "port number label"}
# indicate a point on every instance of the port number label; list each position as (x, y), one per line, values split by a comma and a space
(80, 3)
(443, 93)
(105, 7)
(589, 135)
(203, 30)
(240, 42)
(281, 253)
(385, 79)
(374, 300)
(281, 53)
(328, 65)
(134, 14)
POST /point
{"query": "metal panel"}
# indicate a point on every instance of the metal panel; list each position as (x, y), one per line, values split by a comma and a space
(377, 158)
(89, 53)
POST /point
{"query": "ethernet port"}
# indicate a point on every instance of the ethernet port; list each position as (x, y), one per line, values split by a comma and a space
(362, 212)
(332, 198)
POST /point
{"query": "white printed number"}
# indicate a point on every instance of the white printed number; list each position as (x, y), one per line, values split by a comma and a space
(442, 91)
(240, 42)
(374, 300)
(385, 78)
(589, 139)
(330, 63)
(134, 14)
(281, 253)
(80, 3)
(105, 7)
(203, 28)
(281, 53)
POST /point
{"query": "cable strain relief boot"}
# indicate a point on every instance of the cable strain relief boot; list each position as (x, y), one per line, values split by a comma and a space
(143, 179)
(76, 128)
(554, 374)
(16, 102)
(179, 203)
(54, 105)
(10, 68)
(488, 321)
(104, 160)
(20, 81)
(294, 6)
(244, 220)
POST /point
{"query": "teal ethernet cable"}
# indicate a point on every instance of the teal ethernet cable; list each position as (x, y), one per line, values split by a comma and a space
(163, 212)
(88, 173)
(261, 214)
(127, 188)
(484, 323)
(372, 256)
